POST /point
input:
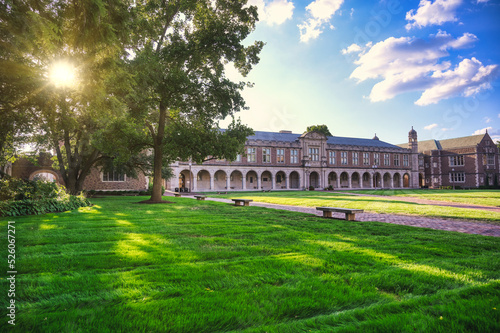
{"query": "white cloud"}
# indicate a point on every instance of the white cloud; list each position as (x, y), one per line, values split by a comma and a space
(410, 64)
(273, 12)
(482, 131)
(320, 12)
(487, 120)
(431, 126)
(433, 13)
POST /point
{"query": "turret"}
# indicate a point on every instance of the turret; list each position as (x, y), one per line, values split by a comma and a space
(413, 146)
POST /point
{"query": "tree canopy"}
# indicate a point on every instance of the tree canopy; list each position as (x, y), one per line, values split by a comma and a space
(323, 129)
(181, 50)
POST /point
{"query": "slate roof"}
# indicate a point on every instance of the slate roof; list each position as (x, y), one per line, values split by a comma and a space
(466, 141)
(333, 140)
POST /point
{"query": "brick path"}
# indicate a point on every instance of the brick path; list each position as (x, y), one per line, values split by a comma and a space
(463, 226)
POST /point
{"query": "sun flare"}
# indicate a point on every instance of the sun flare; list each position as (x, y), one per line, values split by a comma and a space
(62, 74)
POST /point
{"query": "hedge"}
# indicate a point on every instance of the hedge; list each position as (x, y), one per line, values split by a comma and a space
(43, 206)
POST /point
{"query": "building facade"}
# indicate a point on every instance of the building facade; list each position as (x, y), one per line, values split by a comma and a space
(287, 161)
(466, 162)
(283, 161)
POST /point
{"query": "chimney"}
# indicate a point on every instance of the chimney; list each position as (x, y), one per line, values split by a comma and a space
(286, 132)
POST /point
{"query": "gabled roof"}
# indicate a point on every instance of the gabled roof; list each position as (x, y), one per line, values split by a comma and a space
(466, 141)
(333, 140)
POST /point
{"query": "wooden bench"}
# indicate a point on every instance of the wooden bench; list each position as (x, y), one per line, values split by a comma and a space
(349, 213)
(177, 194)
(221, 192)
(242, 202)
(200, 197)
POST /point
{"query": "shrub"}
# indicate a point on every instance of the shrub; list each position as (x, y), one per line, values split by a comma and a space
(311, 188)
(21, 197)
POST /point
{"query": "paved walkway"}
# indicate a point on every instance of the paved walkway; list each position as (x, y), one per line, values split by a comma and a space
(463, 226)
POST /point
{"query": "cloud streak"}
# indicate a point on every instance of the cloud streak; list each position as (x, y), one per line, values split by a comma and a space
(433, 13)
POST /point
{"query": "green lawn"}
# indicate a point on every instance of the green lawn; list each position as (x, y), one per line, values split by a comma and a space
(476, 197)
(201, 266)
(387, 204)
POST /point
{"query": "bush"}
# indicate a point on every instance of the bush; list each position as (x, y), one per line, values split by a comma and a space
(21, 197)
(311, 188)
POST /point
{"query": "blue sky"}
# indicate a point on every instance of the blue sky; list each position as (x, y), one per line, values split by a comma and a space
(366, 67)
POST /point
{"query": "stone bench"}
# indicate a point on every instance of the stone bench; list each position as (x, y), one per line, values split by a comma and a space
(200, 197)
(349, 213)
(242, 202)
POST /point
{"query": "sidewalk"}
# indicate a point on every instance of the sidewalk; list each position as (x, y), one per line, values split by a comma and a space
(463, 226)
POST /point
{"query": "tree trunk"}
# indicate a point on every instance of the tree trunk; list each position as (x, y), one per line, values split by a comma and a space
(157, 194)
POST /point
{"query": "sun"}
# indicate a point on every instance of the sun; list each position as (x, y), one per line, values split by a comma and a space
(62, 74)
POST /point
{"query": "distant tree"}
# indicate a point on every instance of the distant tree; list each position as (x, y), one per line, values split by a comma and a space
(323, 129)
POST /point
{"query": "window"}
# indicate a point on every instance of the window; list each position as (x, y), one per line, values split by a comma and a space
(387, 159)
(278, 179)
(294, 156)
(314, 154)
(396, 159)
(266, 155)
(491, 159)
(113, 175)
(456, 160)
(376, 158)
(366, 158)
(331, 157)
(238, 158)
(406, 161)
(251, 155)
(457, 177)
(343, 158)
(355, 158)
(251, 180)
(280, 155)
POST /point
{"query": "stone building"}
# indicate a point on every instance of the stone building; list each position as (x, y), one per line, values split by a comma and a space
(275, 161)
(467, 162)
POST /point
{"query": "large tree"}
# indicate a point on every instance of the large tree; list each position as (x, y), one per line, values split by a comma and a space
(46, 41)
(179, 53)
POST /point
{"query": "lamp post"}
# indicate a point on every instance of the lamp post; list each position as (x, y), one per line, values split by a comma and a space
(374, 168)
(190, 176)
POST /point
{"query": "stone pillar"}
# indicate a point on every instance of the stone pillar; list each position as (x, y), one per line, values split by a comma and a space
(228, 181)
(273, 181)
(259, 182)
(195, 182)
(244, 181)
(212, 181)
(349, 180)
(287, 181)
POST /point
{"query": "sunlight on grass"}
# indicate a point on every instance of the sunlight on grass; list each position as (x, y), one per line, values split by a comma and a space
(44, 226)
(131, 247)
(123, 222)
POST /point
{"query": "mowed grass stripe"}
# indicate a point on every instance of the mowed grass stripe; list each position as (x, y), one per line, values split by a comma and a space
(205, 267)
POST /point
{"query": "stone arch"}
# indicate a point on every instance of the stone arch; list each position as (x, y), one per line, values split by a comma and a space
(387, 180)
(332, 179)
(294, 179)
(185, 181)
(397, 180)
(366, 180)
(236, 180)
(344, 179)
(252, 180)
(377, 180)
(266, 179)
(314, 179)
(421, 179)
(355, 180)
(203, 178)
(220, 180)
(281, 180)
(406, 180)
(46, 174)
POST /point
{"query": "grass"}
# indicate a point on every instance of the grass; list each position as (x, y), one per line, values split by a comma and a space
(476, 197)
(386, 204)
(201, 266)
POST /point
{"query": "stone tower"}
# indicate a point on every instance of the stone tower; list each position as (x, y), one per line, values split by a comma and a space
(413, 146)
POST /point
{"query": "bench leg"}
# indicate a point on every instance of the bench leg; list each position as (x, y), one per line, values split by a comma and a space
(349, 217)
(247, 203)
(327, 214)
